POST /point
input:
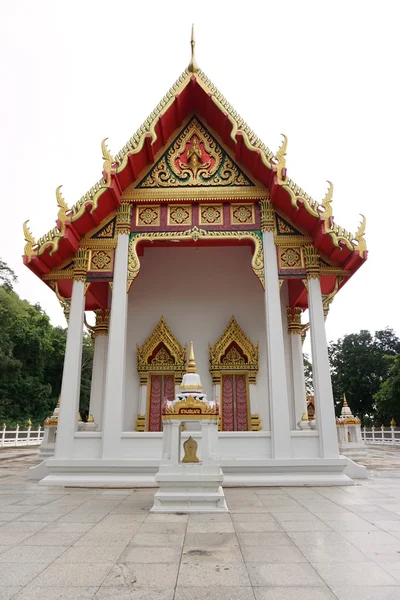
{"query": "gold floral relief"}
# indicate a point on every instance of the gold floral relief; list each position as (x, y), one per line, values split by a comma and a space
(148, 216)
(211, 214)
(290, 258)
(195, 159)
(242, 214)
(101, 260)
(180, 214)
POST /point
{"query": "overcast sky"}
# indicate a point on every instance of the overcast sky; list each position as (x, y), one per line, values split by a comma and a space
(324, 73)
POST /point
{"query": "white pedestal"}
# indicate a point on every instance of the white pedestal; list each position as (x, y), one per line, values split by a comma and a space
(189, 487)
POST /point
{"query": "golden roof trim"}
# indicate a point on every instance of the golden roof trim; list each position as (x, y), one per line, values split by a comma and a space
(271, 160)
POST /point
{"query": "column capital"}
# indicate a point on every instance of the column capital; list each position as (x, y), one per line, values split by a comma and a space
(312, 258)
(294, 319)
(102, 321)
(267, 215)
(80, 264)
(124, 212)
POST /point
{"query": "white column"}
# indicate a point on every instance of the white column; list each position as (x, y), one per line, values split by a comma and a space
(277, 383)
(116, 359)
(143, 400)
(299, 382)
(324, 407)
(71, 379)
(98, 378)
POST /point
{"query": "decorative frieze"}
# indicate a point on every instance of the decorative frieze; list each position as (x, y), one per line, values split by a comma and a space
(242, 214)
(101, 260)
(180, 214)
(148, 216)
(290, 258)
(211, 214)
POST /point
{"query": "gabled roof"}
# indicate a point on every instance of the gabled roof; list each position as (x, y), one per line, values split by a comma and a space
(194, 93)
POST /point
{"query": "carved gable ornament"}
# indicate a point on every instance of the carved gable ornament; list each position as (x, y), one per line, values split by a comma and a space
(233, 351)
(195, 159)
(161, 352)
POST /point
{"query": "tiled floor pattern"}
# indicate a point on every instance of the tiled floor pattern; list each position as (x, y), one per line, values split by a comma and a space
(276, 544)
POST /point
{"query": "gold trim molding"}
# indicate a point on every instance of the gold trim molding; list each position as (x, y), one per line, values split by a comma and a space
(233, 351)
(257, 261)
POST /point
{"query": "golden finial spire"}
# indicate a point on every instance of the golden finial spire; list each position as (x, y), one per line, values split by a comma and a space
(191, 364)
(193, 66)
(344, 400)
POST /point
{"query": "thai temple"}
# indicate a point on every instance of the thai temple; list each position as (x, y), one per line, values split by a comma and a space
(195, 231)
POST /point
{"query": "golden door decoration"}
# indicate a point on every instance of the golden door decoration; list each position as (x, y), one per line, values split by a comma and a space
(161, 363)
(233, 365)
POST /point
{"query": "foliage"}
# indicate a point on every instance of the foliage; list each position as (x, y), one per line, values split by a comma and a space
(388, 397)
(31, 359)
(359, 366)
(308, 375)
(7, 276)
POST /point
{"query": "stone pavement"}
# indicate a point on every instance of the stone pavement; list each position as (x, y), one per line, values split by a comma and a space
(276, 543)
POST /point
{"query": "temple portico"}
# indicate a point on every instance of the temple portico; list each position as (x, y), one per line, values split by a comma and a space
(195, 232)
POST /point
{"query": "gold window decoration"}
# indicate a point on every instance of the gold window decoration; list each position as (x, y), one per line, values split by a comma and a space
(233, 351)
(242, 214)
(290, 258)
(161, 352)
(211, 214)
(148, 216)
(180, 214)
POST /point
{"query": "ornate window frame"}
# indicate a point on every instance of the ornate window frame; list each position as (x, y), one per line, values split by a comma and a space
(173, 360)
(244, 355)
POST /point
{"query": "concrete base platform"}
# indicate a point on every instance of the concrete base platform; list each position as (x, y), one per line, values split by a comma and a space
(245, 473)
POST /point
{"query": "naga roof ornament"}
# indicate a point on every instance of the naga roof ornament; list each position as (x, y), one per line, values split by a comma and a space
(193, 93)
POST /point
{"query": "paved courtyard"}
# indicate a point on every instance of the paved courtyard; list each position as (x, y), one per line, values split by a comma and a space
(276, 543)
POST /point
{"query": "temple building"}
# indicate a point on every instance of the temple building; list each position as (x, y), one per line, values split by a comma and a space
(195, 231)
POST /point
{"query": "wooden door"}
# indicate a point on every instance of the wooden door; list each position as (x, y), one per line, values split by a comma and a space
(235, 414)
(162, 387)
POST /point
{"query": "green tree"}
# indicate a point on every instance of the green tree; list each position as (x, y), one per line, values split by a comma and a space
(7, 276)
(31, 358)
(359, 367)
(388, 397)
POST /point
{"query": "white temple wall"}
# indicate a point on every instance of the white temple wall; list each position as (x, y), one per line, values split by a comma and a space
(197, 290)
(288, 353)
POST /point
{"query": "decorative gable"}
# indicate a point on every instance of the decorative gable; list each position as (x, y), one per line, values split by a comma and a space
(195, 159)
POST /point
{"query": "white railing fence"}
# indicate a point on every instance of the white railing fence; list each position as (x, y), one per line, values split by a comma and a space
(16, 437)
(381, 435)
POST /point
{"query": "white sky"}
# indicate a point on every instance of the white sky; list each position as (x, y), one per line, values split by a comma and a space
(324, 73)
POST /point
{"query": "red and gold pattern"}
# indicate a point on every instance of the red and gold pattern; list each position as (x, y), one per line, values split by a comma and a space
(180, 214)
(211, 214)
(242, 214)
(234, 402)
(195, 159)
(290, 258)
(101, 260)
(148, 216)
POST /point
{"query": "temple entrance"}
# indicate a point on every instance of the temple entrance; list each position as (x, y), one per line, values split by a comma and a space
(162, 388)
(234, 402)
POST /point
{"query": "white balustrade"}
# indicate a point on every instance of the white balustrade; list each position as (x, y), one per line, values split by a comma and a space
(386, 436)
(11, 438)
